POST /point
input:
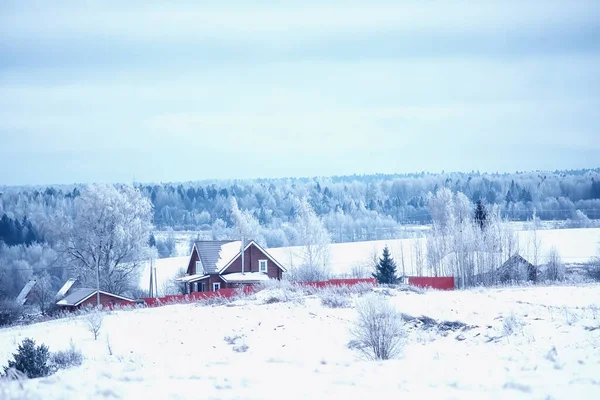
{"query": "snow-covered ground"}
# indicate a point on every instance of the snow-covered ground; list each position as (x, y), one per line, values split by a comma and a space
(575, 246)
(299, 350)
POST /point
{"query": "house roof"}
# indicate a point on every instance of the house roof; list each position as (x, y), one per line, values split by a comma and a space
(63, 290)
(78, 296)
(517, 259)
(252, 242)
(215, 253)
(22, 297)
(192, 278)
(245, 277)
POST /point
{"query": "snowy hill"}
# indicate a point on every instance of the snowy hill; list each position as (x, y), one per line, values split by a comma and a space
(299, 350)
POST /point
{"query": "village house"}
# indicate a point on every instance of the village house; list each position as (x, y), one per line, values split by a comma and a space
(217, 264)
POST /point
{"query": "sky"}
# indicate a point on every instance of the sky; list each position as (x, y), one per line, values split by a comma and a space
(149, 91)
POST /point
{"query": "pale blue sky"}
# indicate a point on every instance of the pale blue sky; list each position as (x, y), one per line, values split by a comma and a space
(170, 91)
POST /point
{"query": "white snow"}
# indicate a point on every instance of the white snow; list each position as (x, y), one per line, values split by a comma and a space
(298, 350)
(191, 278)
(65, 288)
(227, 253)
(245, 277)
(166, 270)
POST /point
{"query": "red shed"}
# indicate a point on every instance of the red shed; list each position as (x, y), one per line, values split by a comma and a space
(83, 297)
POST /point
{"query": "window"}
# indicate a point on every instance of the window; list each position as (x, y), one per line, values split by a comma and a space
(203, 286)
(216, 286)
(195, 287)
(199, 268)
(262, 266)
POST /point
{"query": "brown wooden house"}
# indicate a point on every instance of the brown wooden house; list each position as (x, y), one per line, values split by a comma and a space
(72, 299)
(217, 264)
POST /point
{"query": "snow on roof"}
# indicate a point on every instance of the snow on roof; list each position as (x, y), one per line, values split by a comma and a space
(245, 277)
(192, 278)
(63, 290)
(227, 253)
(22, 297)
(76, 297)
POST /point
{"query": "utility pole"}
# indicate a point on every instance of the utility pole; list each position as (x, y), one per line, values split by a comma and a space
(98, 281)
(242, 250)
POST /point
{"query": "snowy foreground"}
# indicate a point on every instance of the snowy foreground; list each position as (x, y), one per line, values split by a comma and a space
(299, 350)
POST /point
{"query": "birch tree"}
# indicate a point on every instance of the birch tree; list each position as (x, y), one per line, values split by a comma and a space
(315, 241)
(245, 223)
(109, 236)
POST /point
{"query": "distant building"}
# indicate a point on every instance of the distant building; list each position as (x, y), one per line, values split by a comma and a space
(217, 264)
(72, 299)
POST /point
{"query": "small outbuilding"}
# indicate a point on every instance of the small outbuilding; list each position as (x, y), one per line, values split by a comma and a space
(84, 297)
(517, 268)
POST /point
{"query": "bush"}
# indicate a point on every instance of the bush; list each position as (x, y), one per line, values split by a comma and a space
(512, 324)
(67, 358)
(30, 359)
(334, 300)
(10, 312)
(379, 330)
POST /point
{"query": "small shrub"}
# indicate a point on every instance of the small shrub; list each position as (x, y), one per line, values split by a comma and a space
(67, 358)
(94, 322)
(379, 331)
(30, 359)
(512, 325)
(570, 316)
(332, 299)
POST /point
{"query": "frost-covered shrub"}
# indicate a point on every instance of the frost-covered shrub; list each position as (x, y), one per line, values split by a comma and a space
(279, 292)
(379, 331)
(512, 324)
(30, 359)
(71, 357)
(332, 299)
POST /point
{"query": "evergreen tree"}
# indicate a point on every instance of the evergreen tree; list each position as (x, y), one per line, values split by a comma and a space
(480, 214)
(386, 269)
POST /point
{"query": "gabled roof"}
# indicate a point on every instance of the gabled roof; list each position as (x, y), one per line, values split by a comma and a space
(517, 259)
(252, 242)
(214, 253)
(78, 296)
(22, 297)
(63, 290)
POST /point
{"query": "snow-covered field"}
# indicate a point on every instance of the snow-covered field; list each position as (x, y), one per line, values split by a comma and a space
(299, 350)
(575, 246)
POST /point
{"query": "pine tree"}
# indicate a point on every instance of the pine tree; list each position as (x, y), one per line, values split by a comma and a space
(386, 269)
(480, 214)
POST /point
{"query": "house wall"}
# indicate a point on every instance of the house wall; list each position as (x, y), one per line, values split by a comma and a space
(104, 299)
(209, 284)
(251, 257)
(191, 269)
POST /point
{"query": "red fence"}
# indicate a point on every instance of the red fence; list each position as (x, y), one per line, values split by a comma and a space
(227, 293)
(440, 283)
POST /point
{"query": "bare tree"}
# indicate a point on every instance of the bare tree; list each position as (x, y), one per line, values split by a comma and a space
(43, 293)
(94, 322)
(555, 269)
(109, 236)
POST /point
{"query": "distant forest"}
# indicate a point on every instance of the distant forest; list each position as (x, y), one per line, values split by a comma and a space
(356, 207)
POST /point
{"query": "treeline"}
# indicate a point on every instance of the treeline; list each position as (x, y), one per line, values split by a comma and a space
(352, 207)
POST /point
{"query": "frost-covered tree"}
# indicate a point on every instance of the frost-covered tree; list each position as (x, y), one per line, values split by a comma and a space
(480, 214)
(315, 242)
(555, 269)
(245, 223)
(109, 236)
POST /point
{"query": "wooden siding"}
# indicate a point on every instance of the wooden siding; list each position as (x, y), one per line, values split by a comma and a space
(251, 257)
(105, 299)
(191, 269)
